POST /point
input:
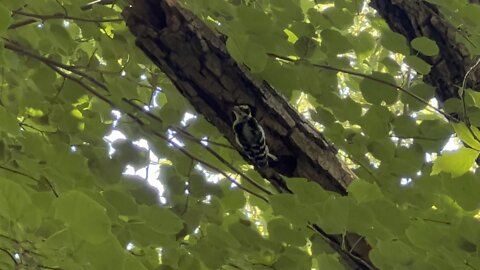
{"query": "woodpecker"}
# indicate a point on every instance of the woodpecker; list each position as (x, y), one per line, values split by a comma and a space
(250, 136)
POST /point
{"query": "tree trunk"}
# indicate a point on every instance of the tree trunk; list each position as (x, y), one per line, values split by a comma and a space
(415, 18)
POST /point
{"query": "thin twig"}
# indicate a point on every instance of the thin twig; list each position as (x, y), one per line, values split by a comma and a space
(17, 48)
(30, 177)
(339, 249)
(64, 17)
(189, 136)
(21, 23)
(464, 104)
(57, 67)
(9, 255)
(193, 157)
(355, 73)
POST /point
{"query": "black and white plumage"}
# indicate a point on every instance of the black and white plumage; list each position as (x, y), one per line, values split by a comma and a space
(250, 136)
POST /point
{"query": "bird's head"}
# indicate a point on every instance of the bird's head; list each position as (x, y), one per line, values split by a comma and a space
(242, 111)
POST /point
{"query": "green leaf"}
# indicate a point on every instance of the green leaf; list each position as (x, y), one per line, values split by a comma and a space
(363, 43)
(375, 123)
(334, 42)
(464, 190)
(425, 45)
(340, 18)
(122, 202)
(5, 18)
(102, 255)
(161, 219)
(455, 162)
(127, 152)
(331, 262)
(293, 259)
(394, 42)
(468, 135)
(305, 46)
(418, 64)
(333, 217)
(287, 206)
(280, 230)
(307, 192)
(405, 126)
(391, 253)
(9, 122)
(286, 11)
(426, 235)
(377, 92)
(212, 256)
(13, 199)
(234, 199)
(421, 90)
(85, 217)
(383, 149)
(246, 51)
(364, 191)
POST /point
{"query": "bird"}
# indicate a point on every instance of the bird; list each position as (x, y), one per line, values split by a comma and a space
(250, 136)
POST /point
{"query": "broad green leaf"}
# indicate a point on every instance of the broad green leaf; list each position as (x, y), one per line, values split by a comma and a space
(394, 42)
(470, 135)
(418, 64)
(288, 206)
(293, 259)
(377, 92)
(340, 18)
(307, 192)
(424, 91)
(127, 152)
(280, 230)
(234, 199)
(363, 43)
(122, 202)
(425, 45)
(253, 21)
(8, 122)
(103, 255)
(286, 11)
(318, 19)
(13, 199)
(305, 46)
(333, 217)
(221, 237)
(463, 190)
(384, 150)
(455, 162)
(364, 191)
(86, 218)
(212, 256)
(391, 253)
(405, 126)
(426, 235)
(246, 235)
(375, 123)
(5, 18)
(326, 261)
(161, 219)
(334, 42)
(244, 50)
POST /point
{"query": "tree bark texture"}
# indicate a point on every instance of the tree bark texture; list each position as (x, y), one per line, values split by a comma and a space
(416, 18)
(196, 60)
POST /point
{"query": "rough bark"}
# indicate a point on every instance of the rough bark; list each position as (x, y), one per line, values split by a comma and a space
(196, 60)
(416, 18)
